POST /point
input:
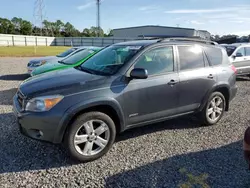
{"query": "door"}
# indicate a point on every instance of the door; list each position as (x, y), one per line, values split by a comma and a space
(155, 97)
(196, 77)
(241, 61)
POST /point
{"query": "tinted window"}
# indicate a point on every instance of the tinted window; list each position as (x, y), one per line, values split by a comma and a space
(214, 55)
(157, 61)
(78, 56)
(191, 57)
(109, 60)
(230, 49)
(67, 52)
(247, 51)
(241, 51)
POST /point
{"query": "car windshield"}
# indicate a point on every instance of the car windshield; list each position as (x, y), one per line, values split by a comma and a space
(67, 52)
(78, 56)
(110, 60)
(230, 49)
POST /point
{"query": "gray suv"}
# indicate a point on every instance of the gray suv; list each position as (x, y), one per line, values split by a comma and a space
(123, 86)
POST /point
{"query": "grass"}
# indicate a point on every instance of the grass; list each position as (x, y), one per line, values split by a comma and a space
(31, 51)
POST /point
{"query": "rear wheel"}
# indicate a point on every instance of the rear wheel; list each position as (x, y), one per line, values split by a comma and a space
(90, 136)
(214, 109)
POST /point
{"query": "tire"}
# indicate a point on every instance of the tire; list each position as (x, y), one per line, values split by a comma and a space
(205, 116)
(78, 150)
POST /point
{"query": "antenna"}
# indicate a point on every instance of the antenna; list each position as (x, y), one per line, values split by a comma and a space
(98, 24)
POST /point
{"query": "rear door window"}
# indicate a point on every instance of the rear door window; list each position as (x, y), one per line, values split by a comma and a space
(247, 49)
(191, 57)
(214, 55)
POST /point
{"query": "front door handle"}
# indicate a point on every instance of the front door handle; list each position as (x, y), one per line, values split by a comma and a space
(210, 76)
(172, 82)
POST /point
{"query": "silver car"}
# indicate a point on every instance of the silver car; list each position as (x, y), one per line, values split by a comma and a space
(239, 55)
(34, 63)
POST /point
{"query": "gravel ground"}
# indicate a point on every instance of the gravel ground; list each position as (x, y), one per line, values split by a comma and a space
(170, 154)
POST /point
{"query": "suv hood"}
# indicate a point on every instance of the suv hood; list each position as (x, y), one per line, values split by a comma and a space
(43, 59)
(68, 80)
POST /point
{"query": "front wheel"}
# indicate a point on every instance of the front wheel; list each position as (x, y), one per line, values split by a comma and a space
(90, 136)
(214, 109)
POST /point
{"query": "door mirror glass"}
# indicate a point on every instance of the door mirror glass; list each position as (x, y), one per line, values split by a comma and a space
(238, 54)
(139, 73)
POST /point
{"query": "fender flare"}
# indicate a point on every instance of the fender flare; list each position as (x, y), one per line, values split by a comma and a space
(73, 110)
(213, 89)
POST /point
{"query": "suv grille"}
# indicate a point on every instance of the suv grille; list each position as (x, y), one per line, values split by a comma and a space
(20, 99)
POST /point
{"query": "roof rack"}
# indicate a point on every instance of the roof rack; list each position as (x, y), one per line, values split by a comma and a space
(188, 39)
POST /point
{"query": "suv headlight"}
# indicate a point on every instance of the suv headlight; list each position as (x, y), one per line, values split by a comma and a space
(39, 63)
(42, 104)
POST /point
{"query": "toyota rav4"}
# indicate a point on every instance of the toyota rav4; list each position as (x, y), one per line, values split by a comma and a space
(123, 86)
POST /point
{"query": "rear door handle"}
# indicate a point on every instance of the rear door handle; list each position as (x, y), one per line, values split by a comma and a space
(210, 76)
(172, 82)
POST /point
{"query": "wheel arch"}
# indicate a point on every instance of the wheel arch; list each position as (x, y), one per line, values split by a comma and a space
(108, 106)
(224, 89)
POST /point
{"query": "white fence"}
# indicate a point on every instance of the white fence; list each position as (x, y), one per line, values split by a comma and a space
(22, 40)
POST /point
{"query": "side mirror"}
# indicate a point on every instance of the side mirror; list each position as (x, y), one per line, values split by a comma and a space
(139, 73)
(238, 54)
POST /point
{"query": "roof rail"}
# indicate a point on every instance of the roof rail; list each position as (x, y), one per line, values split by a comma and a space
(188, 39)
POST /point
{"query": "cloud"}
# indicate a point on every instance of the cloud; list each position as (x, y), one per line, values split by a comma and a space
(194, 11)
(242, 33)
(86, 5)
(149, 8)
(195, 22)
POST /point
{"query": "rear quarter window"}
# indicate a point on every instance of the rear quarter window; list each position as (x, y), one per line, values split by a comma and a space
(214, 55)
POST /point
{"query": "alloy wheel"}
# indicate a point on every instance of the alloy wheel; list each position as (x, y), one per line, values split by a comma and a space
(215, 108)
(92, 137)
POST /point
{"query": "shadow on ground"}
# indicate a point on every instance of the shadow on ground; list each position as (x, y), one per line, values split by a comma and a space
(16, 77)
(220, 167)
(6, 96)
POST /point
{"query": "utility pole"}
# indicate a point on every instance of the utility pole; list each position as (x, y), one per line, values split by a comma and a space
(98, 24)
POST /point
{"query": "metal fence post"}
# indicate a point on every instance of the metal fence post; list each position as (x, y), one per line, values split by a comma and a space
(13, 41)
(46, 41)
(25, 40)
(36, 40)
(113, 41)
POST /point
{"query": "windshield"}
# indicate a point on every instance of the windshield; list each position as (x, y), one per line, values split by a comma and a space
(110, 60)
(230, 49)
(78, 56)
(67, 52)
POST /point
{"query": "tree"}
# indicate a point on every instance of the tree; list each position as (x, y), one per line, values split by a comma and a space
(6, 26)
(86, 33)
(25, 28)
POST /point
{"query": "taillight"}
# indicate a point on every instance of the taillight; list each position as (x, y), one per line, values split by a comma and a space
(234, 69)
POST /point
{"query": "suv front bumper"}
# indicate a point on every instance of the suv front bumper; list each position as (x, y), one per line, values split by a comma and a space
(41, 126)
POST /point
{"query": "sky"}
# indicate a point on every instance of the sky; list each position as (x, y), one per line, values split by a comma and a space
(216, 16)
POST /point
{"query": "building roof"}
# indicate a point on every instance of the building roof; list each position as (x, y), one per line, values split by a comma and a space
(153, 26)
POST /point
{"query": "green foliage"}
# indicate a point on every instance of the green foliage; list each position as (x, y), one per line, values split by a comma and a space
(19, 26)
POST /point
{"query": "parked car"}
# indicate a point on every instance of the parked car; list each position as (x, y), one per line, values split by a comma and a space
(34, 63)
(239, 55)
(72, 61)
(123, 86)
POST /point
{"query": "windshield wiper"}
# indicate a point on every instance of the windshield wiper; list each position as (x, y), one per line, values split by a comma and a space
(86, 70)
